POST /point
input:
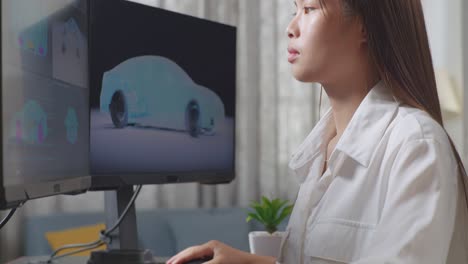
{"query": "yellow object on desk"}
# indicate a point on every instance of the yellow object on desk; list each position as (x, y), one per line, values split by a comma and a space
(85, 234)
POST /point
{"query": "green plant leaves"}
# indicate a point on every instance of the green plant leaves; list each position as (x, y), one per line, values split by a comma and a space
(270, 213)
(285, 213)
(253, 216)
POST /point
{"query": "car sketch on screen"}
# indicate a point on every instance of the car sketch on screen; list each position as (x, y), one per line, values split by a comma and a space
(69, 53)
(154, 91)
(71, 125)
(35, 39)
(30, 124)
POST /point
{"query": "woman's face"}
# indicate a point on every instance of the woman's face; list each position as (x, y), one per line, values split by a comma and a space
(323, 42)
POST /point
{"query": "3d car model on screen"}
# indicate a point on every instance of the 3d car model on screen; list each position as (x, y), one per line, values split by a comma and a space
(154, 91)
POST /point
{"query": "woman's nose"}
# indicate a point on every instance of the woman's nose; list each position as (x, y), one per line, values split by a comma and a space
(291, 30)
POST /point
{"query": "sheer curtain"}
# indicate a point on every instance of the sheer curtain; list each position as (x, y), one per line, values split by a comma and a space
(274, 114)
(445, 27)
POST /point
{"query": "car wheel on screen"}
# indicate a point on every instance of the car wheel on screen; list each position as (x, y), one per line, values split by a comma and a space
(192, 118)
(118, 109)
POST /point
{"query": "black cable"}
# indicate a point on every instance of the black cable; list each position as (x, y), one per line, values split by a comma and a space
(107, 232)
(7, 218)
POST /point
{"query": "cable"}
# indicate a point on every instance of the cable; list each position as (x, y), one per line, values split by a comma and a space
(104, 236)
(69, 246)
(10, 214)
(132, 201)
(7, 218)
(76, 251)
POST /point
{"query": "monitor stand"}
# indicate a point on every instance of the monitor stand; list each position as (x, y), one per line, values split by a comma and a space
(123, 246)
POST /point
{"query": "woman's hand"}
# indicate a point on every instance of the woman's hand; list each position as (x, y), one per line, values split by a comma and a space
(221, 253)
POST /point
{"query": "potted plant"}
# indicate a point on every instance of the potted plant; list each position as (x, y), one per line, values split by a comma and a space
(270, 213)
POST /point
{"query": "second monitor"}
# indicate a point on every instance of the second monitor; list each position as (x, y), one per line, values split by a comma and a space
(163, 97)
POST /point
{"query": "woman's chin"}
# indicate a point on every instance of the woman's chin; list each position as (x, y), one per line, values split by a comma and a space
(301, 75)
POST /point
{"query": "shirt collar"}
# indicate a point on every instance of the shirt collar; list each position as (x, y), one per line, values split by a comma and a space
(313, 146)
(360, 138)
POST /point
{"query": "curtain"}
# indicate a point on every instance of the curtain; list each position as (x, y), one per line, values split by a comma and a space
(444, 23)
(274, 114)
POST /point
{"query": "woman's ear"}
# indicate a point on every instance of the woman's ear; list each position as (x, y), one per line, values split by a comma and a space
(363, 32)
(359, 31)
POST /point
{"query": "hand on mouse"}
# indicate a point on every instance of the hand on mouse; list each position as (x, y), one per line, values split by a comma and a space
(221, 253)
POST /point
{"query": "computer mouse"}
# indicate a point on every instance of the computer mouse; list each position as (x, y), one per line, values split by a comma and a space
(199, 261)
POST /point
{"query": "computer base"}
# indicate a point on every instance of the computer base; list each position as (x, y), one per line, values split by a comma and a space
(121, 256)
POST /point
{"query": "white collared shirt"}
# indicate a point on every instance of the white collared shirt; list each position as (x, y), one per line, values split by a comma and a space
(390, 193)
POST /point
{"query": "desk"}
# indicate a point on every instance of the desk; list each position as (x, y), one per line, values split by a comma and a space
(68, 260)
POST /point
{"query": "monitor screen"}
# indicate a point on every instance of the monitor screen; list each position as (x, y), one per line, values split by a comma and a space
(162, 98)
(45, 98)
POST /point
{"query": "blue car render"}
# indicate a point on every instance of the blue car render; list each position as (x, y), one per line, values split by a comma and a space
(154, 91)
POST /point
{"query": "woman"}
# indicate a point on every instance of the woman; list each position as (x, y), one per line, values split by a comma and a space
(381, 180)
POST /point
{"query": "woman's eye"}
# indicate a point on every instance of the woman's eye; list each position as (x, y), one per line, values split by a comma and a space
(308, 9)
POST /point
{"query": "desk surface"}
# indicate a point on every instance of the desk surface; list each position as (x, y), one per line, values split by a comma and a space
(67, 260)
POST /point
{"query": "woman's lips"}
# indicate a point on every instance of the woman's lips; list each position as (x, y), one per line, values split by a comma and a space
(293, 54)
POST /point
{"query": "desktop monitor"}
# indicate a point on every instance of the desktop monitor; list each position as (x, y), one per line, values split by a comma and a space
(44, 99)
(99, 94)
(162, 98)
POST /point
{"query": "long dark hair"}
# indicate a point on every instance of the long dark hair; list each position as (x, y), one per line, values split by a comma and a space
(399, 47)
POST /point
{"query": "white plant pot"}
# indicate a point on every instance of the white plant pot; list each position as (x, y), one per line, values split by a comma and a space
(264, 243)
